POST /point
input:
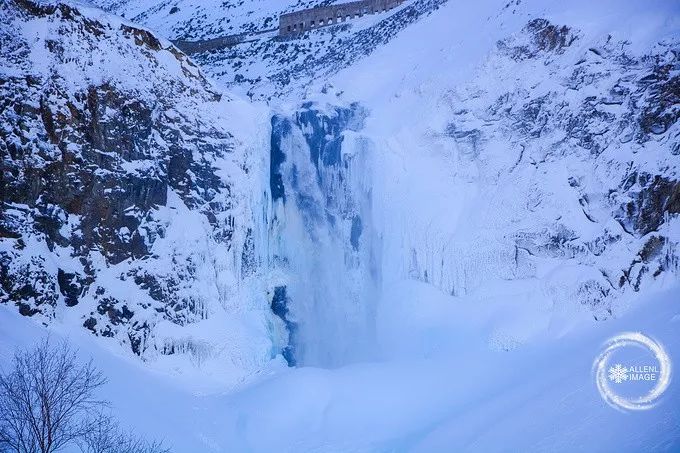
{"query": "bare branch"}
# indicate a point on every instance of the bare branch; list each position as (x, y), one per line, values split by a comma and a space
(48, 401)
(44, 397)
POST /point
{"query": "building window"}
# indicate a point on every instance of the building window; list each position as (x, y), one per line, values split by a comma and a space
(311, 24)
(289, 28)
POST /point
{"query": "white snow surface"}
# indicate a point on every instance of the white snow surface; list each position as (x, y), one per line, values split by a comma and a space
(476, 346)
(461, 396)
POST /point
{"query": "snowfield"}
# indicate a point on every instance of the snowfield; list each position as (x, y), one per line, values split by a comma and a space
(440, 393)
(410, 232)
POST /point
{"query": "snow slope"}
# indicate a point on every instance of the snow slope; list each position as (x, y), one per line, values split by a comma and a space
(465, 398)
(463, 202)
(266, 66)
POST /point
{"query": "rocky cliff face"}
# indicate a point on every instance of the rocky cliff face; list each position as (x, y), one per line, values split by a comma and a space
(563, 152)
(322, 226)
(610, 115)
(145, 205)
(124, 203)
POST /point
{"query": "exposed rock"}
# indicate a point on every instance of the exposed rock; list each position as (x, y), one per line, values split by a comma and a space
(279, 306)
(651, 198)
(539, 36)
(71, 286)
(95, 162)
(611, 121)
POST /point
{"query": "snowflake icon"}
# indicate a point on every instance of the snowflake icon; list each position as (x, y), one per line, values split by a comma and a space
(618, 373)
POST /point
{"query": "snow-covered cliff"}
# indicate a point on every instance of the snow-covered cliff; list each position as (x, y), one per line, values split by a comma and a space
(528, 166)
(132, 192)
(539, 160)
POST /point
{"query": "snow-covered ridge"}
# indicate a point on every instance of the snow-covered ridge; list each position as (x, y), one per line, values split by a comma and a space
(126, 209)
(204, 19)
(544, 171)
(268, 66)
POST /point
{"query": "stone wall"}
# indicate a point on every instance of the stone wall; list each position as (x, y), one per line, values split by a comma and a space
(308, 19)
(192, 47)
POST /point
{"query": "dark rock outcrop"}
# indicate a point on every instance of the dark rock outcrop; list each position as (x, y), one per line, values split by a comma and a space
(101, 124)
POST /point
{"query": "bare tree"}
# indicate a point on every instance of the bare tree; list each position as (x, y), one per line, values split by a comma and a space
(44, 399)
(105, 436)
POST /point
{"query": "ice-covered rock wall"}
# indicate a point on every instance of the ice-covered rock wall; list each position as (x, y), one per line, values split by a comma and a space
(133, 192)
(547, 181)
(533, 163)
(322, 226)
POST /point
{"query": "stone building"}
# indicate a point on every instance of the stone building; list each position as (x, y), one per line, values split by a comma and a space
(321, 16)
